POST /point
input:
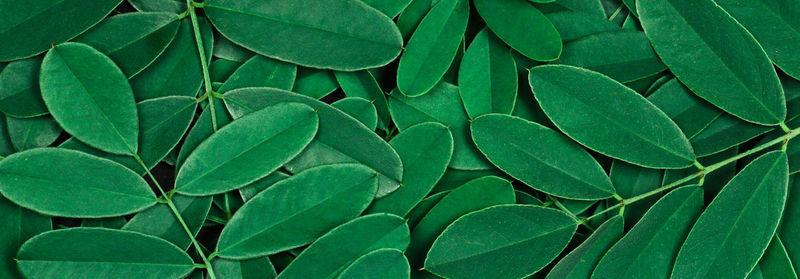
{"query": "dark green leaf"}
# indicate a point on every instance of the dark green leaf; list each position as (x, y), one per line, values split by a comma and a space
(18, 225)
(581, 261)
(108, 223)
(624, 55)
(487, 76)
(28, 133)
(363, 84)
(574, 25)
(630, 181)
(359, 108)
(383, 263)
(537, 39)
(258, 268)
(775, 263)
(202, 129)
(260, 71)
(390, 8)
(315, 83)
(19, 89)
(251, 190)
(159, 220)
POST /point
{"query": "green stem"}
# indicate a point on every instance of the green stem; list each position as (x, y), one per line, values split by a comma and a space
(178, 216)
(705, 171)
(616, 12)
(198, 38)
(569, 213)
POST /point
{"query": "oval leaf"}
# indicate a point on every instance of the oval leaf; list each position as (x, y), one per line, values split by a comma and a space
(622, 55)
(581, 261)
(102, 188)
(85, 253)
(342, 35)
(537, 39)
(260, 71)
(160, 221)
(90, 97)
(541, 158)
(487, 76)
(504, 241)
(613, 120)
(19, 89)
(360, 109)
(28, 133)
(363, 84)
(19, 225)
(383, 263)
(248, 149)
(297, 210)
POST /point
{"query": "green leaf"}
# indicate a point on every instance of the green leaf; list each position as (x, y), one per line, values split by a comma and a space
(581, 261)
(202, 129)
(648, 250)
(474, 195)
(572, 25)
(525, 198)
(425, 150)
(28, 133)
(85, 253)
(108, 223)
(432, 47)
(359, 108)
(297, 210)
(163, 122)
(689, 112)
(363, 84)
(258, 268)
(30, 28)
(385, 263)
(630, 181)
(159, 220)
(225, 49)
(592, 7)
(614, 120)
(390, 8)
(453, 178)
(315, 83)
(340, 139)
(504, 241)
(419, 211)
(442, 104)
(251, 190)
(327, 257)
(79, 185)
(6, 147)
(412, 15)
(173, 6)
(537, 39)
(775, 263)
(19, 89)
(731, 72)
(260, 71)
(132, 40)
(790, 223)
(177, 71)
(746, 212)
(774, 26)
(541, 158)
(487, 76)
(248, 149)
(18, 224)
(624, 55)
(89, 96)
(221, 69)
(723, 133)
(340, 35)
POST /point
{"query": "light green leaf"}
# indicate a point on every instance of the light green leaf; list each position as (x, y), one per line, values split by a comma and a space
(248, 149)
(327, 257)
(297, 210)
(731, 71)
(614, 120)
(581, 261)
(386, 263)
(746, 212)
(90, 97)
(342, 35)
(537, 39)
(85, 253)
(541, 158)
(101, 188)
(487, 76)
(19, 89)
(18, 224)
(504, 241)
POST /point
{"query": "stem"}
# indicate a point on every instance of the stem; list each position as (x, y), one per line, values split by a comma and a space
(705, 171)
(616, 12)
(571, 215)
(178, 216)
(198, 38)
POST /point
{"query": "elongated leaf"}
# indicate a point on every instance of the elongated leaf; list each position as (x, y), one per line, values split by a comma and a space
(774, 26)
(442, 104)
(132, 40)
(775, 263)
(327, 257)
(432, 48)
(648, 250)
(581, 261)
(426, 150)
(340, 139)
(260, 71)
(297, 210)
(487, 76)
(30, 28)
(622, 55)
(731, 72)
(359, 108)
(504, 241)
(746, 212)
(258, 268)
(228, 159)
(790, 225)
(390, 8)
(538, 39)
(89, 96)
(28, 133)
(102, 188)
(19, 89)
(572, 25)
(18, 224)
(689, 112)
(382, 263)
(177, 71)
(85, 253)
(362, 84)
(159, 220)
(411, 16)
(474, 195)
(592, 7)
(358, 37)
(541, 158)
(315, 83)
(614, 120)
